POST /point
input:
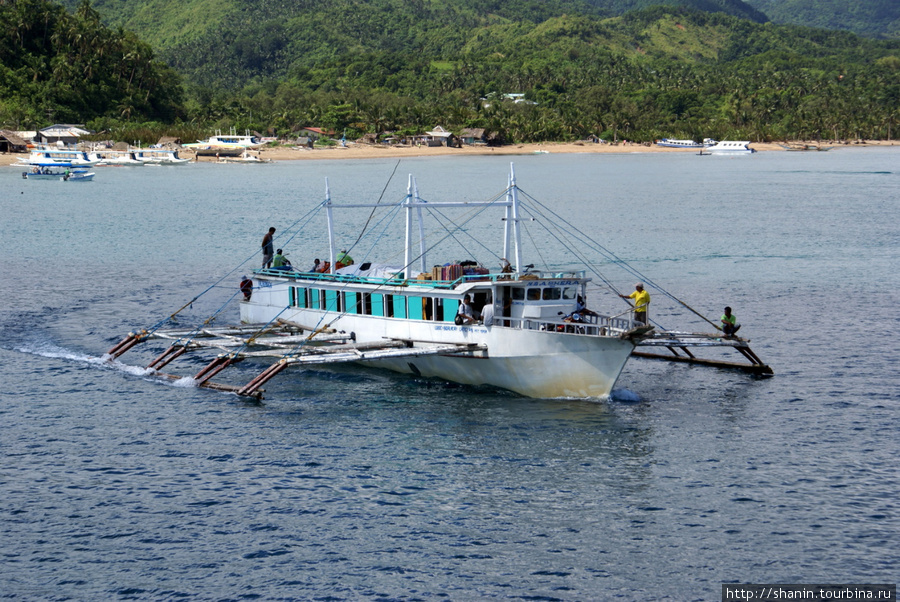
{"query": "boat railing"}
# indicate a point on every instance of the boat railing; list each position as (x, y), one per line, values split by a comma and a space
(593, 325)
(400, 280)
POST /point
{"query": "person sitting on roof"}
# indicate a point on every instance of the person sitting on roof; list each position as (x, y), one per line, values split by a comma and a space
(280, 262)
(343, 260)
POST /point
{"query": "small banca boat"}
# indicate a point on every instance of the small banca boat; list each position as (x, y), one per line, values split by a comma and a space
(730, 147)
(78, 176)
(56, 173)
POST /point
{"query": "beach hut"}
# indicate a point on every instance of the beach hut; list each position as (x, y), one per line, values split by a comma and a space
(10, 142)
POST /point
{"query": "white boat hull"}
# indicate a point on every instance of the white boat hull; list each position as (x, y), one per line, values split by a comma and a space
(533, 363)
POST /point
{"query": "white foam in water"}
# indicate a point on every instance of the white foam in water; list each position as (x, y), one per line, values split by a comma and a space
(624, 395)
(104, 361)
(186, 382)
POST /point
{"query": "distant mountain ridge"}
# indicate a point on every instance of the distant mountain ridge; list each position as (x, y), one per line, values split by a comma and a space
(871, 18)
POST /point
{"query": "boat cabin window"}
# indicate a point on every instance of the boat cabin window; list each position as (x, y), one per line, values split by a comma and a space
(551, 294)
(518, 294)
(533, 294)
(450, 307)
(569, 292)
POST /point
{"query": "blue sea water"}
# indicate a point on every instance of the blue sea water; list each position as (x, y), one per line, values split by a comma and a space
(354, 484)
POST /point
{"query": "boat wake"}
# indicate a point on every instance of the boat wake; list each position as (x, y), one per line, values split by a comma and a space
(105, 362)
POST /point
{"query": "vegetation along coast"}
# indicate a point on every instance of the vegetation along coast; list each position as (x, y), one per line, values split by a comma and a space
(553, 73)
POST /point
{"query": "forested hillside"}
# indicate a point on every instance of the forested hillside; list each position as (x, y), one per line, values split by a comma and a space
(408, 65)
(57, 66)
(872, 18)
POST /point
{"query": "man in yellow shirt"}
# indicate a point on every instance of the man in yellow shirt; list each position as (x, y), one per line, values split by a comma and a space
(641, 301)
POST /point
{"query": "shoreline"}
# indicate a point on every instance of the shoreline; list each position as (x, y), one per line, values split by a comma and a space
(367, 151)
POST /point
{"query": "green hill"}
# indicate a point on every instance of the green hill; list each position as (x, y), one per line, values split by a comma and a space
(872, 18)
(407, 65)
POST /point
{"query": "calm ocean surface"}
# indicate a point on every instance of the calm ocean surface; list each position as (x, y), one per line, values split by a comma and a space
(355, 484)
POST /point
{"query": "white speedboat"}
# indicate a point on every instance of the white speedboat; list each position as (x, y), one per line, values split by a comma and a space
(730, 147)
(537, 343)
(674, 143)
(57, 157)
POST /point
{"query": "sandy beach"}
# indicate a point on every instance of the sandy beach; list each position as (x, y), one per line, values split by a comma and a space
(371, 151)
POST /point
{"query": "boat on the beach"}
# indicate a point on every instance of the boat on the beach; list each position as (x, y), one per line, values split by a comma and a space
(805, 147)
(512, 326)
(730, 147)
(231, 141)
(244, 157)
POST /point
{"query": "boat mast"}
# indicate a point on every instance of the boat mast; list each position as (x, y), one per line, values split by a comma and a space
(515, 216)
(408, 214)
(413, 200)
(328, 213)
(422, 248)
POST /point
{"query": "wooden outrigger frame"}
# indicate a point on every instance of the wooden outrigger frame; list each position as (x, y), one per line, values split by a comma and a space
(684, 341)
(283, 340)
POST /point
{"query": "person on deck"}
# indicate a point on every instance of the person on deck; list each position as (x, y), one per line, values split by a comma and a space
(466, 313)
(343, 260)
(487, 312)
(316, 266)
(280, 261)
(641, 301)
(729, 323)
(246, 287)
(267, 248)
(581, 308)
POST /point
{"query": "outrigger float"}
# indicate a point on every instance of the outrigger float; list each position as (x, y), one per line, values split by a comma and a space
(531, 332)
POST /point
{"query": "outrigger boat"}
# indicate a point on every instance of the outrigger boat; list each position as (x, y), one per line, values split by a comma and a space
(540, 341)
(48, 173)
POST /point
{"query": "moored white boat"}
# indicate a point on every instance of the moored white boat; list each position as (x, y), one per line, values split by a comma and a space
(731, 147)
(675, 143)
(57, 157)
(226, 141)
(113, 158)
(159, 156)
